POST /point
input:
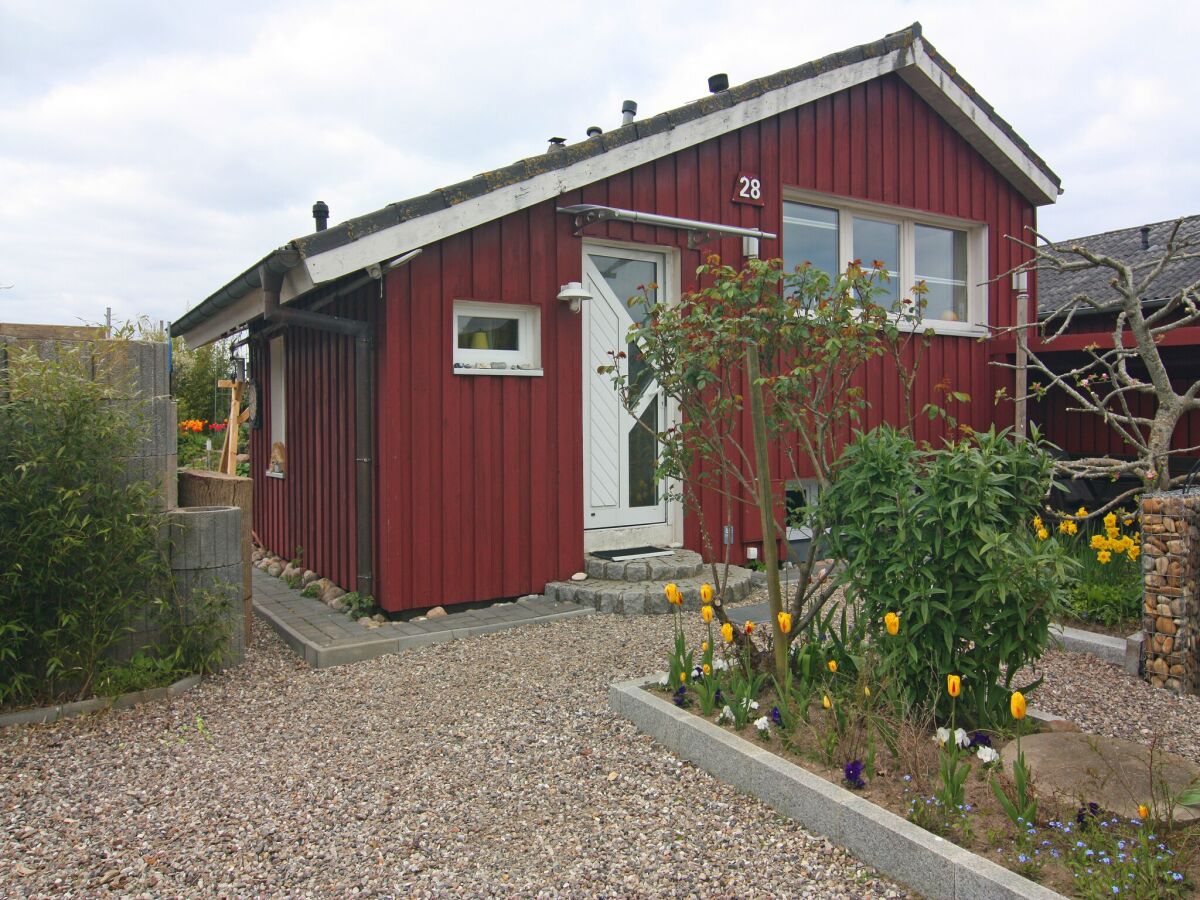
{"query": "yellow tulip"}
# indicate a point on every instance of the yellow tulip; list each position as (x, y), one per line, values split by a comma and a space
(682, 677)
(706, 614)
(704, 647)
(673, 595)
(953, 685)
(785, 622)
(892, 622)
(748, 627)
(832, 665)
(866, 691)
(1143, 811)
(727, 633)
(1017, 705)
(707, 669)
(826, 702)
(706, 593)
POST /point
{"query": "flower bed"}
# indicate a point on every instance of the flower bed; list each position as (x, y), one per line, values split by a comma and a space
(836, 715)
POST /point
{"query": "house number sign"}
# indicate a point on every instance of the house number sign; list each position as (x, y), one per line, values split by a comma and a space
(748, 188)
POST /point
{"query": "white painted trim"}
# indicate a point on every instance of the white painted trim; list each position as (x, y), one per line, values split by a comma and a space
(932, 82)
(529, 332)
(400, 238)
(529, 373)
(907, 218)
(226, 320)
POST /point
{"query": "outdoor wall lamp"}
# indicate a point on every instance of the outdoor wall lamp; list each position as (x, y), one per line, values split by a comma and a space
(574, 293)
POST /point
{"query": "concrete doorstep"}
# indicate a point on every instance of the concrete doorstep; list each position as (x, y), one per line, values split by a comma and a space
(896, 847)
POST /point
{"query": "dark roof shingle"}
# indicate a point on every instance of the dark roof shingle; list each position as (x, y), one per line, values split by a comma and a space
(1056, 289)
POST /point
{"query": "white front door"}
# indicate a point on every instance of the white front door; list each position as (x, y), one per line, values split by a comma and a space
(620, 452)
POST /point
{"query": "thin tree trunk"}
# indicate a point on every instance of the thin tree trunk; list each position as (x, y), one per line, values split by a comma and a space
(766, 508)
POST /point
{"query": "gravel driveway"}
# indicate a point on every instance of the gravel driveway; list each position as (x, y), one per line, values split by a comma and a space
(484, 766)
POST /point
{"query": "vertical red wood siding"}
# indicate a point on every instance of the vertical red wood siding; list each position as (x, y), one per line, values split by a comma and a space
(310, 512)
(480, 478)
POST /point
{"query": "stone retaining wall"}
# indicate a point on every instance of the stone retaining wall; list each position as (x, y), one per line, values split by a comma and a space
(1171, 608)
(199, 487)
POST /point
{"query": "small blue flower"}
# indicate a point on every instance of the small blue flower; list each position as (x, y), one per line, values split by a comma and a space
(853, 773)
(1175, 876)
(1116, 890)
(776, 717)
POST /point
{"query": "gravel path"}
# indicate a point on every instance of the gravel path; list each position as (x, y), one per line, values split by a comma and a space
(484, 766)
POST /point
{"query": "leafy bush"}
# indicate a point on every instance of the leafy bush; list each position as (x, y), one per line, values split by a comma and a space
(78, 555)
(80, 559)
(942, 538)
(1105, 604)
(194, 378)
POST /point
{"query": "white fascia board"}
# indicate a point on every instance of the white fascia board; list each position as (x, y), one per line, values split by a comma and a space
(950, 101)
(296, 283)
(405, 236)
(226, 320)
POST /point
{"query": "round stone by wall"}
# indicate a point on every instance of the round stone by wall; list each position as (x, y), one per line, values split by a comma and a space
(206, 556)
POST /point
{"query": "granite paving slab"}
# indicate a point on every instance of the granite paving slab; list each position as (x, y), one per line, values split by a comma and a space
(324, 637)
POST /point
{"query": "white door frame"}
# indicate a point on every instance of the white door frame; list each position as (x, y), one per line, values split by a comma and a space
(662, 533)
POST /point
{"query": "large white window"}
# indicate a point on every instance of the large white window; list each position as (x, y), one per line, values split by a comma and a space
(497, 338)
(949, 256)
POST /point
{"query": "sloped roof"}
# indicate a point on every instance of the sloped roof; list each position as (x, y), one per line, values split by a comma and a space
(398, 227)
(1056, 289)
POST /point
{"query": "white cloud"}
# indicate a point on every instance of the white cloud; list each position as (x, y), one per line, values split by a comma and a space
(153, 152)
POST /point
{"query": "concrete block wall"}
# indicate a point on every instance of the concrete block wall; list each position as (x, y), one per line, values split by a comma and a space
(1171, 606)
(206, 556)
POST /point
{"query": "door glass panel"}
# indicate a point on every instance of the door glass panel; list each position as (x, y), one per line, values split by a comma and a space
(643, 457)
(810, 234)
(941, 259)
(632, 279)
(879, 241)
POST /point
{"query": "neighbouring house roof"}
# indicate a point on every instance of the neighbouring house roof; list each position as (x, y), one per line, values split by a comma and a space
(1142, 246)
(395, 229)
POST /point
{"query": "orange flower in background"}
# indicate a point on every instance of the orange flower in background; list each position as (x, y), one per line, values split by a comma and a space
(785, 622)
(953, 685)
(748, 627)
(1143, 811)
(706, 593)
(832, 666)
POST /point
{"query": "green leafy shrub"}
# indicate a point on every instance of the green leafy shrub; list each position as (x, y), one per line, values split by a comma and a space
(1105, 604)
(78, 542)
(80, 558)
(943, 539)
(357, 606)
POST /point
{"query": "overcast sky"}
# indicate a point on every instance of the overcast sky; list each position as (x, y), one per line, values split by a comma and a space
(150, 151)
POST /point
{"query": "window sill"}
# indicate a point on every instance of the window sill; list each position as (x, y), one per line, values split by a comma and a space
(271, 474)
(527, 373)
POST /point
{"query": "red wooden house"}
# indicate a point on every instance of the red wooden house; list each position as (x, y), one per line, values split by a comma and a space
(427, 371)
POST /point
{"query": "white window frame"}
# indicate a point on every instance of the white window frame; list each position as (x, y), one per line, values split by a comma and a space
(977, 244)
(526, 360)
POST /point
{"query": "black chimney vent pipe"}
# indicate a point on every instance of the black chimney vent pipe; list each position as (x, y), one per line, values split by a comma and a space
(718, 83)
(1145, 237)
(321, 214)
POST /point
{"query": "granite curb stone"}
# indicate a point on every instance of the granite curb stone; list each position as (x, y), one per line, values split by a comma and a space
(48, 714)
(878, 837)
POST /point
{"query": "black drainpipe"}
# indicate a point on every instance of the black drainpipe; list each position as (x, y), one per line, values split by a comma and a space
(364, 407)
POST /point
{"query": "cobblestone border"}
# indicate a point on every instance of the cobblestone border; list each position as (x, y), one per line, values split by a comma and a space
(47, 714)
(881, 839)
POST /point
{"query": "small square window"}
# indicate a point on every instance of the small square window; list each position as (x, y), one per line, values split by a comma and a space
(496, 336)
